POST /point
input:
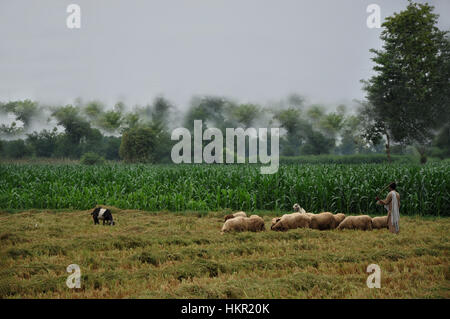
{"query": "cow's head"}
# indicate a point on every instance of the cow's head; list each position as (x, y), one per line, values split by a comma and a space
(96, 210)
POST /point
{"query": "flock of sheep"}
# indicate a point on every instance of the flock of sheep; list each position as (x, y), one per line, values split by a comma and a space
(301, 219)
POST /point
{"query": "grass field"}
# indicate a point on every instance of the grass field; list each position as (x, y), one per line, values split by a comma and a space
(170, 255)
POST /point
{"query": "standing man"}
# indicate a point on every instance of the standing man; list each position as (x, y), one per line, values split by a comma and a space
(392, 205)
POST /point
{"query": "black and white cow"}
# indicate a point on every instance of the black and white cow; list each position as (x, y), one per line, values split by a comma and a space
(102, 214)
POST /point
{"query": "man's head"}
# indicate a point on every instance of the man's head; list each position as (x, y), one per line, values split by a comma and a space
(392, 186)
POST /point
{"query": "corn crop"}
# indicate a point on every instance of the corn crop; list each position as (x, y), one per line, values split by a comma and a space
(350, 189)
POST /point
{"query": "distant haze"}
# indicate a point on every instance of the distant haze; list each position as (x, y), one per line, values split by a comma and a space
(130, 50)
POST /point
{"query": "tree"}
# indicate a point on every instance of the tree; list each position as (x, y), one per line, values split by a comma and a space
(350, 141)
(110, 121)
(374, 128)
(75, 126)
(11, 130)
(317, 143)
(43, 144)
(315, 114)
(332, 124)
(15, 149)
(24, 111)
(161, 112)
(79, 136)
(290, 120)
(209, 109)
(138, 145)
(441, 144)
(130, 120)
(408, 98)
(110, 149)
(93, 110)
(245, 114)
(295, 100)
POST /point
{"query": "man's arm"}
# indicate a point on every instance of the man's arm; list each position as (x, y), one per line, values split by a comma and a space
(386, 201)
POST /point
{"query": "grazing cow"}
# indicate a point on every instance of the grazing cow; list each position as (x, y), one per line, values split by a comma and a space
(102, 214)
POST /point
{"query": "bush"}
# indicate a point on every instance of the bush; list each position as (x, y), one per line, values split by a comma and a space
(111, 145)
(15, 149)
(91, 158)
(43, 144)
(138, 145)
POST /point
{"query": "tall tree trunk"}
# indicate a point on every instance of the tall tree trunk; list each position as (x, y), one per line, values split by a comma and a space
(388, 148)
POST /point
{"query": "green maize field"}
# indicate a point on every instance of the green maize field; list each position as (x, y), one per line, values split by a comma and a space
(350, 189)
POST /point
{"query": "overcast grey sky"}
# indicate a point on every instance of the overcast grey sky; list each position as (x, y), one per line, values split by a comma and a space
(252, 50)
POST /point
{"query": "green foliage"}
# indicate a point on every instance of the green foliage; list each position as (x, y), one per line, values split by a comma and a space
(93, 110)
(161, 112)
(91, 158)
(332, 124)
(43, 144)
(209, 109)
(23, 110)
(110, 121)
(11, 130)
(441, 144)
(15, 149)
(138, 145)
(315, 113)
(317, 143)
(317, 187)
(408, 97)
(75, 126)
(245, 114)
(110, 147)
(289, 119)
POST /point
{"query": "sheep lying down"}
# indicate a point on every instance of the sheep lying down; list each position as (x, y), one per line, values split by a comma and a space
(362, 222)
(298, 209)
(238, 224)
(380, 222)
(339, 218)
(241, 213)
(323, 221)
(326, 220)
(320, 221)
(290, 221)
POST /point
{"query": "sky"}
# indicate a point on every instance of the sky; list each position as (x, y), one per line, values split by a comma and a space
(134, 50)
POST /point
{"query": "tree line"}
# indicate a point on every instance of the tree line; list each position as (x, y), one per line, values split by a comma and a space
(406, 108)
(143, 133)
